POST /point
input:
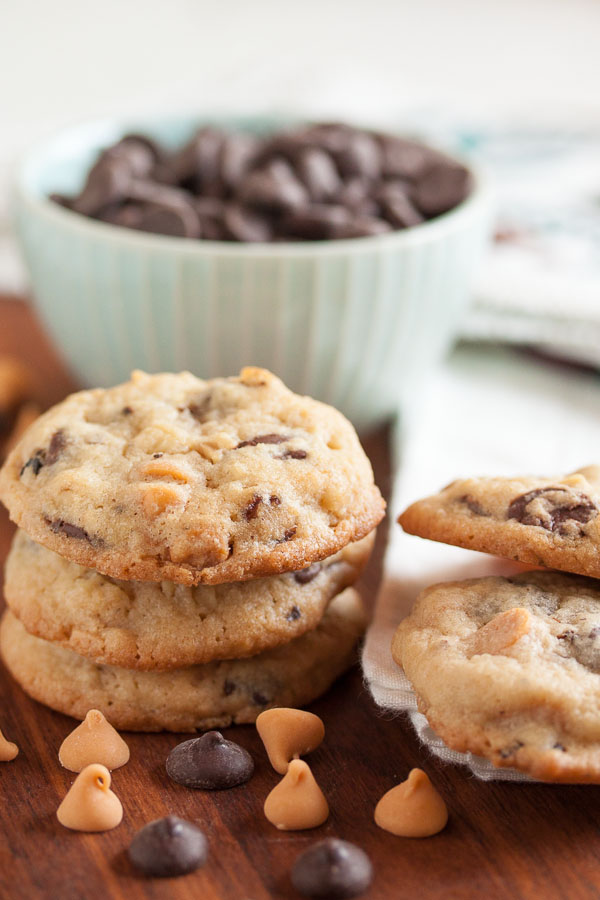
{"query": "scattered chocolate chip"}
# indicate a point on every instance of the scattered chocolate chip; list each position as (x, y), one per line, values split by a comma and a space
(287, 535)
(228, 687)
(175, 221)
(274, 500)
(263, 439)
(510, 751)
(583, 648)
(294, 454)
(251, 511)
(209, 762)
(199, 410)
(318, 173)
(274, 187)
(362, 226)
(58, 442)
(317, 222)
(472, 504)
(246, 225)
(127, 411)
(293, 614)
(442, 187)
(559, 746)
(168, 847)
(260, 699)
(397, 207)
(332, 869)
(156, 455)
(557, 509)
(306, 575)
(59, 526)
(35, 463)
(107, 183)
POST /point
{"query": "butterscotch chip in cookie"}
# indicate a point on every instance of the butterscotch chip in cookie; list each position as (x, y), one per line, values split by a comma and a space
(149, 625)
(169, 477)
(288, 734)
(552, 522)
(413, 808)
(509, 669)
(90, 804)
(8, 750)
(94, 741)
(194, 698)
(297, 802)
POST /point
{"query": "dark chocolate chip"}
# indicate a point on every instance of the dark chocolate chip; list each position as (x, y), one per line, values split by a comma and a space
(238, 152)
(263, 439)
(583, 648)
(318, 172)
(306, 575)
(559, 746)
(126, 411)
(397, 207)
(59, 526)
(287, 535)
(402, 158)
(293, 614)
(316, 222)
(175, 221)
(251, 510)
(35, 463)
(442, 187)
(106, 183)
(557, 509)
(199, 409)
(507, 752)
(361, 226)
(210, 762)
(274, 187)
(228, 687)
(246, 225)
(274, 500)
(168, 847)
(294, 454)
(473, 505)
(260, 699)
(156, 455)
(332, 869)
(58, 442)
(198, 163)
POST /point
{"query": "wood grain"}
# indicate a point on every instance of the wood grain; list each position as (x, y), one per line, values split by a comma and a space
(503, 840)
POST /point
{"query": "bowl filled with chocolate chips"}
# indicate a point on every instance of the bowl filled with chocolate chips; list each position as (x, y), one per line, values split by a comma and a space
(336, 256)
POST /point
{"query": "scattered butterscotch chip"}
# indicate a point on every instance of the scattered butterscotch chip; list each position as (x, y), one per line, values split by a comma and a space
(288, 734)
(413, 808)
(297, 802)
(94, 741)
(501, 632)
(8, 750)
(90, 804)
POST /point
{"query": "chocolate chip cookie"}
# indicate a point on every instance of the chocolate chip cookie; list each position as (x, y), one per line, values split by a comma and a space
(149, 625)
(194, 698)
(552, 522)
(171, 477)
(509, 668)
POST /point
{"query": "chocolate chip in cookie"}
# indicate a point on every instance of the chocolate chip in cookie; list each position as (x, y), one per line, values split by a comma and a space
(557, 509)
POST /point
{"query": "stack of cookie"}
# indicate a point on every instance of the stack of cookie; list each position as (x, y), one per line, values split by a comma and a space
(185, 550)
(509, 667)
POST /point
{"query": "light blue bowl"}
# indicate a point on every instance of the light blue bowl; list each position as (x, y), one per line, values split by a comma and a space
(355, 323)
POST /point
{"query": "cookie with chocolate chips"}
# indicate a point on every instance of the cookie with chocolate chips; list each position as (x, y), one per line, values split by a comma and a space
(552, 522)
(171, 477)
(203, 697)
(509, 668)
(149, 625)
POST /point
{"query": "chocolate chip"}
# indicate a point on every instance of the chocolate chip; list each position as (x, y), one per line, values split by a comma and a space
(210, 762)
(397, 208)
(318, 172)
(475, 507)
(507, 752)
(168, 847)
(316, 222)
(251, 510)
(246, 225)
(293, 614)
(441, 187)
(228, 687)
(583, 648)
(58, 442)
(35, 463)
(263, 439)
(260, 699)
(126, 411)
(306, 575)
(332, 869)
(559, 746)
(287, 535)
(59, 526)
(156, 455)
(199, 409)
(401, 158)
(274, 500)
(106, 183)
(274, 187)
(557, 509)
(175, 221)
(361, 226)
(198, 163)
(238, 152)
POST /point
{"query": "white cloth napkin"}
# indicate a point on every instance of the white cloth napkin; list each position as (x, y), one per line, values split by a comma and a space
(487, 412)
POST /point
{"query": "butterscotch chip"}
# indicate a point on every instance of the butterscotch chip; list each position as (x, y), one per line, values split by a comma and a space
(94, 741)
(8, 750)
(90, 805)
(413, 808)
(288, 734)
(169, 477)
(551, 522)
(297, 802)
(509, 669)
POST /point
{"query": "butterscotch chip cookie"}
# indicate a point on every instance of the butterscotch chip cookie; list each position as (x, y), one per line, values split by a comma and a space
(171, 477)
(509, 668)
(213, 695)
(149, 625)
(551, 522)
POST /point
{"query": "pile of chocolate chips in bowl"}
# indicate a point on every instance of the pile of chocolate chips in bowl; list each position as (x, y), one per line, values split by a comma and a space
(318, 182)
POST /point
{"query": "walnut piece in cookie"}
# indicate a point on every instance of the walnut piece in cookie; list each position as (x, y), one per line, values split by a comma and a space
(509, 669)
(171, 477)
(551, 522)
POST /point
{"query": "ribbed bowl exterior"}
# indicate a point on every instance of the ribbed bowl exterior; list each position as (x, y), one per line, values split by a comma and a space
(354, 323)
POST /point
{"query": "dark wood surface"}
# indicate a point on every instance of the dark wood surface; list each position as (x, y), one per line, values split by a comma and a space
(502, 841)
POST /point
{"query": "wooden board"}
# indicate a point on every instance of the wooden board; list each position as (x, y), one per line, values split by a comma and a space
(503, 840)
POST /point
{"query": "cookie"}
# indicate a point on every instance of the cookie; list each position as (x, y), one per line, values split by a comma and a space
(509, 668)
(213, 695)
(168, 477)
(149, 625)
(552, 522)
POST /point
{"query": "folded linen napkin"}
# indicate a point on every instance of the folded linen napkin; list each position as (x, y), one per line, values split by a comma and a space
(487, 412)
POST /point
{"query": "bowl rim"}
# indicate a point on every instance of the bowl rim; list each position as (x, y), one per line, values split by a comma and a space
(35, 157)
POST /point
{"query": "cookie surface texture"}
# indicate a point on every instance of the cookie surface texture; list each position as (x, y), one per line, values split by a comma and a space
(551, 522)
(194, 698)
(150, 625)
(509, 669)
(168, 477)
